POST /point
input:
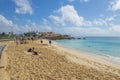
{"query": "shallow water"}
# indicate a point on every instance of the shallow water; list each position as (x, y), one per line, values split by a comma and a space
(105, 46)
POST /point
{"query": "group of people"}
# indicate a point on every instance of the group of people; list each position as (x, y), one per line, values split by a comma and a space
(31, 50)
(50, 42)
(20, 40)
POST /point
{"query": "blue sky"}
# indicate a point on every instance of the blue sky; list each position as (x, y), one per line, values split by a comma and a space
(73, 17)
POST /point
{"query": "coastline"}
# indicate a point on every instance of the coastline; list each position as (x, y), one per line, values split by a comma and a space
(55, 62)
(92, 57)
(106, 58)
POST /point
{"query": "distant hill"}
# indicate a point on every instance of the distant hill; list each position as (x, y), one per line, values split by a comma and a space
(48, 35)
(29, 35)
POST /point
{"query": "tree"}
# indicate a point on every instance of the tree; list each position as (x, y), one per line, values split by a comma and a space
(3, 33)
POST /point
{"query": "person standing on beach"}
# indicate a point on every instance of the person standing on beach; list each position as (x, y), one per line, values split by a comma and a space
(50, 42)
(41, 41)
(17, 42)
(16, 39)
(32, 39)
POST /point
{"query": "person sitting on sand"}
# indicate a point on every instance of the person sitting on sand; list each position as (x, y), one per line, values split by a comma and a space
(31, 50)
(34, 52)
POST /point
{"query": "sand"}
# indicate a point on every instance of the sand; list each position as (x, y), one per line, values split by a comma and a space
(53, 63)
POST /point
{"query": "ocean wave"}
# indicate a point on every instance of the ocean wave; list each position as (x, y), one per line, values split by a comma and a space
(112, 59)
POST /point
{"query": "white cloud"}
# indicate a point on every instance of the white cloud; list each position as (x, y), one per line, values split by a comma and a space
(115, 5)
(32, 26)
(99, 22)
(23, 7)
(5, 25)
(68, 14)
(104, 21)
(3, 20)
(112, 18)
(8, 26)
(45, 26)
(57, 20)
(115, 28)
(81, 31)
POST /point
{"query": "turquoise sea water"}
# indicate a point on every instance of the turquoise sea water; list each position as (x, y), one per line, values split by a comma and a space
(105, 46)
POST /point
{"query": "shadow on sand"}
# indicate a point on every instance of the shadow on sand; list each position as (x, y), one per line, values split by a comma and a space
(1, 67)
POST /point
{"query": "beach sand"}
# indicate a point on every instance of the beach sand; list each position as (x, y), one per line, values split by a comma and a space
(53, 63)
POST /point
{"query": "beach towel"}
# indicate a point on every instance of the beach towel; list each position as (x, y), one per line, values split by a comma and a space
(31, 53)
(28, 53)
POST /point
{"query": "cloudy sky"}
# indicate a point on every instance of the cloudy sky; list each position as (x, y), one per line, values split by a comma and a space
(73, 17)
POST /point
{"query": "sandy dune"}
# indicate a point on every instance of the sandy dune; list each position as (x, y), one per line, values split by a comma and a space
(53, 63)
